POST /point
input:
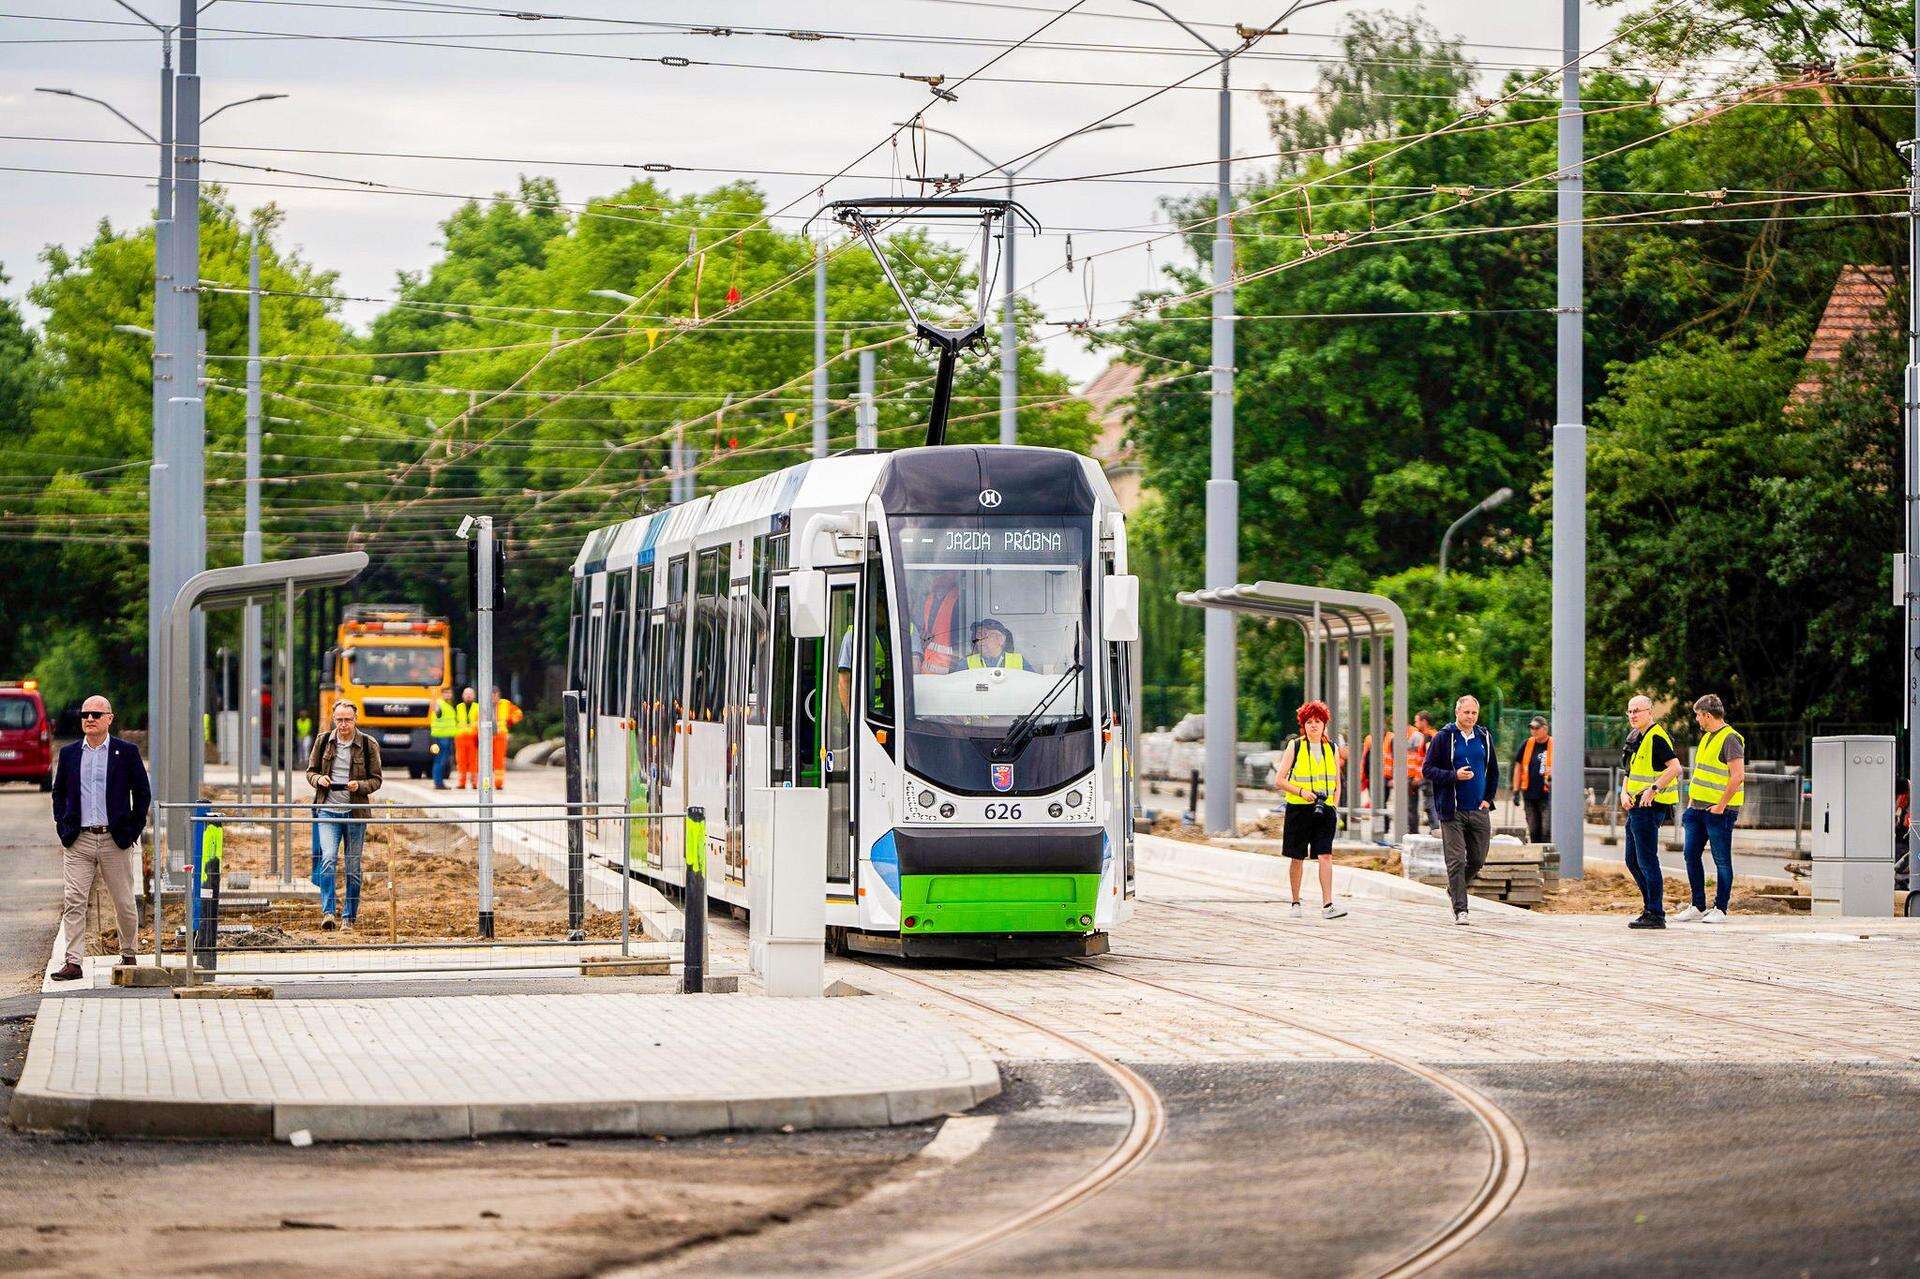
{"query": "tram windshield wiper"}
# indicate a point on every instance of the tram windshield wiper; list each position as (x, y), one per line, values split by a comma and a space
(1021, 731)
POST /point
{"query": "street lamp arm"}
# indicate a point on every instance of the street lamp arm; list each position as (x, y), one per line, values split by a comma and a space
(1496, 498)
(99, 102)
(241, 102)
(927, 128)
(1168, 14)
(143, 17)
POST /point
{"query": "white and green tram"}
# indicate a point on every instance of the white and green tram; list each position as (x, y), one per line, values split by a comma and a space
(942, 639)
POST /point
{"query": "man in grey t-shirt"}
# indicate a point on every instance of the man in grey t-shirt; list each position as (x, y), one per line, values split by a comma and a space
(1715, 792)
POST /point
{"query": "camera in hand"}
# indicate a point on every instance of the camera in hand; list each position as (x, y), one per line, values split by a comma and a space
(1319, 804)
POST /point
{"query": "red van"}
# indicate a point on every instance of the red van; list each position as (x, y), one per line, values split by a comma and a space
(26, 739)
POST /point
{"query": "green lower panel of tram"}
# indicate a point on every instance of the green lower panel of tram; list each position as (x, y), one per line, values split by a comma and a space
(988, 903)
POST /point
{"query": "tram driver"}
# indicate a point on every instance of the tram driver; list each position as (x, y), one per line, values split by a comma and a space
(993, 647)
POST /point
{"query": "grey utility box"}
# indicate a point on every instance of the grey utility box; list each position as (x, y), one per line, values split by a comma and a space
(1853, 826)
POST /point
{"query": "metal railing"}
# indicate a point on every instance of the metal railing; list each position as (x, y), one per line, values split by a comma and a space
(1773, 801)
(545, 842)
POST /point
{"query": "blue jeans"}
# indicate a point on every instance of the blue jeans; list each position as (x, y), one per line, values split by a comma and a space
(334, 836)
(442, 760)
(1643, 854)
(1702, 827)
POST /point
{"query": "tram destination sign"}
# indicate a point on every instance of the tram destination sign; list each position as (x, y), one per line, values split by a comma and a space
(993, 543)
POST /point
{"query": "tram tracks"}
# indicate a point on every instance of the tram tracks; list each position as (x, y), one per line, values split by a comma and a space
(1506, 1145)
(1144, 1131)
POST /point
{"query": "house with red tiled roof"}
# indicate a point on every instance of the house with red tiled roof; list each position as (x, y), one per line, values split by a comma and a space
(1111, 395)
(1861, 302)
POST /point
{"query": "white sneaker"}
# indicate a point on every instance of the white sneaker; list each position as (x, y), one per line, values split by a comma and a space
(1686, 916)
(1460, 917)
(1714, 916)
(1295, 912)
(1331, 911)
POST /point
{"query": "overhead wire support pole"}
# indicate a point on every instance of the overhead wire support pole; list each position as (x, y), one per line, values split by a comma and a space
(1568, 787)
(1912, 433)
(187, 462)
(250, 549)
(159, 478)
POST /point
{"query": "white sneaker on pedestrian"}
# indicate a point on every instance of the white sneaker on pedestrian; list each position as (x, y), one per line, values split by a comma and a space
(1460, 917)
(1686, 916)
(1714, 916)
(1295, 911)
(1331, 911)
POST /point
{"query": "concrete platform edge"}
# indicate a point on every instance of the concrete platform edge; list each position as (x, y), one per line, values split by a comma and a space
(38, 1109)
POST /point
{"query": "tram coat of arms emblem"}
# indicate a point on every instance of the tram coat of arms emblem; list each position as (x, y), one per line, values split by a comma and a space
(1002, 777)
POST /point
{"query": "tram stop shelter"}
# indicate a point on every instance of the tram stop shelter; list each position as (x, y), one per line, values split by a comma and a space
(1346, 635)
(178, 764)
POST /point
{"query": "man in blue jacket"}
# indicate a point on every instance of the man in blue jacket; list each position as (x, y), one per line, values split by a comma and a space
(100, 800)
(1463, 775)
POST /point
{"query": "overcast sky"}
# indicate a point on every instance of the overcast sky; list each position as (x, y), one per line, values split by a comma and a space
(525, 111)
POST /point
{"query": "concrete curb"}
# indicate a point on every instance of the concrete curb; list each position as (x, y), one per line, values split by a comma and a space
(38, 1107)
(1156, 852)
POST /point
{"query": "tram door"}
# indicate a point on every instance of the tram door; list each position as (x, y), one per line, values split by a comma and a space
(653, 727)
(596, 678)
(836, 753)
(810, 721)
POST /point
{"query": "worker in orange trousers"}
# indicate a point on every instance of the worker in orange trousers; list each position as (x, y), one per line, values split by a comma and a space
(505, 716)
(466, 740)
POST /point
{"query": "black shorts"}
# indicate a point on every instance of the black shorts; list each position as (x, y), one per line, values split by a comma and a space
(1307, 833)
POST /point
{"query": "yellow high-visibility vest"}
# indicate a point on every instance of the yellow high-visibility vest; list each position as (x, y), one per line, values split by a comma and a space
(466, 719)
(1641, 773)
(441, 723)
(1317, 770)
(1011, 661)
(1710, 772)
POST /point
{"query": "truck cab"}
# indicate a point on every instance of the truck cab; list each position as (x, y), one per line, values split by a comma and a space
(390, 661)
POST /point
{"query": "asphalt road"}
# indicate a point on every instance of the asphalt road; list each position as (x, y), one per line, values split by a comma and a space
(29, 888)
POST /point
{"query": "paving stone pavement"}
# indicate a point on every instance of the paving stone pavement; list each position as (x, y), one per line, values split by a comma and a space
(454, 1067)
(1401, 977)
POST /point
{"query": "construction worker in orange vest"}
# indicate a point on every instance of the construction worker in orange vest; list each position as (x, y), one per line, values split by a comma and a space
(1533, 777)
(936, 627)
(505, 716)
(466, 740)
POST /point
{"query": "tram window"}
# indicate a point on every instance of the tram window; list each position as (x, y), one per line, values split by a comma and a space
(613, 678)
(637, 672)
(780, 719)
(711, 618)
(577, 638)
(673, 659)
(879, 654)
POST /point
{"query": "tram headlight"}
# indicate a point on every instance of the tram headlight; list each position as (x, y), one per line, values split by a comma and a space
(946, 810)
(1054, 810)
(1075, 799)
(926, 799)
(1086, 921)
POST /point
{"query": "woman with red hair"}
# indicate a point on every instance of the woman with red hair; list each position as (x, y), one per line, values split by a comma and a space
(1309, 774)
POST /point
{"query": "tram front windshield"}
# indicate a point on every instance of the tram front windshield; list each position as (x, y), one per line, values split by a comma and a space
(993, 616)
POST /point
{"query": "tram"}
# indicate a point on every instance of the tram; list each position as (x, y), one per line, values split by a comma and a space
(943, 639)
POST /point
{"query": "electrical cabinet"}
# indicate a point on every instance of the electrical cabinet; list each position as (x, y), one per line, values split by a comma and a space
(1853, 825)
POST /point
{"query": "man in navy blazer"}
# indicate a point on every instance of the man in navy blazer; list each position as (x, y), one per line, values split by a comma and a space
(100, 801)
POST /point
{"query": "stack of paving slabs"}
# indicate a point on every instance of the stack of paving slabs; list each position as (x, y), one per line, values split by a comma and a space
(1515, 872)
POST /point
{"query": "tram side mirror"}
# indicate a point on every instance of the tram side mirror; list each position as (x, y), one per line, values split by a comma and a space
(807, 603)
(1120, 617)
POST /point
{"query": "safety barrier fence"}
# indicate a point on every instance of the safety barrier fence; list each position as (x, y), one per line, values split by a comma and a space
(431, 896)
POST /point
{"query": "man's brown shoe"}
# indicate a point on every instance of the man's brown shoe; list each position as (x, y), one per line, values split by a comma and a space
(71, 972)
